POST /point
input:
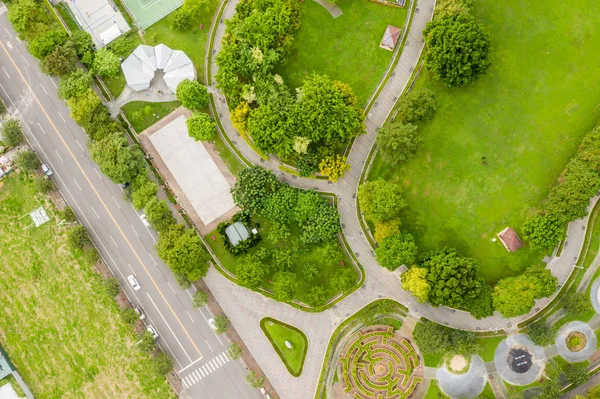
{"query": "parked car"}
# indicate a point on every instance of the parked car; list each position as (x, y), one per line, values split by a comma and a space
(139, 311)
(212, 324)
(133, 282)
(47, 171)
(145, 220)
(150, 328)
(124, 185)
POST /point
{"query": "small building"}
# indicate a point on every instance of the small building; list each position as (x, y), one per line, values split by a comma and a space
(390, 38)
(237, 233)
(510, 239)
(100, 18)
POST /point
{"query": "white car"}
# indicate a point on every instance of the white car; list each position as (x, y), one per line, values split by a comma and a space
(47, 171)
(144, 220)
(140, 312)
(211, 323)
(152, 331)
(133, 282)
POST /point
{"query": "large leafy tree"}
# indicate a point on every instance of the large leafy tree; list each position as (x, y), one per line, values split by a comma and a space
(28, 160)
(399, 249)
(253, 187)
(10, 132)
(116, 158)
(28, 17)
(541, 333)
(457, 49)
(415, 281)
(543, 231)
(159, 215)
(251, 272)
(380, 200)
(61, 61)
(83, 107)
(454, 279)
(268, 126)
(143, 190)
(323, 226)
(74, 84)
(183, 251)
(201, 127)
(417, 106)
(284, 286)
(192, 94)
(398, 143)
(83, 45)
(281, 204)
(106, 63)
(43, 45)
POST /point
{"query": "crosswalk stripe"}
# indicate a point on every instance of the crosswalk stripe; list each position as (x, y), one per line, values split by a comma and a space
(225, 359)
(206, 369)
(197, 374)
(211, 366)
(185, 385)
(218, 361)
(189, 380)
(213, 362)
(193, 377)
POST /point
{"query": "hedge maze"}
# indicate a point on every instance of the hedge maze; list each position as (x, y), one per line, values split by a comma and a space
(377, 364)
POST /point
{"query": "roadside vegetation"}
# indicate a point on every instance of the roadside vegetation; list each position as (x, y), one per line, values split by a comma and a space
(289, 342)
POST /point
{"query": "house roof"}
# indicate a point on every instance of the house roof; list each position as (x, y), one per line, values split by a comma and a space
(510, 239)
(237, 233)
(390, 37)
(139, 68)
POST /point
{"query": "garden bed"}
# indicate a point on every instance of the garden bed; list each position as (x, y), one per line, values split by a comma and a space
(279, 334)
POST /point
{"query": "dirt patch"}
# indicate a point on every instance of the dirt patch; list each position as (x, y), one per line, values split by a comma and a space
(458, 363)
(576, 341)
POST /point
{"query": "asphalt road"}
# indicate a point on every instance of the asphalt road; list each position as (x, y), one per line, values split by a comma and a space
(115, 227)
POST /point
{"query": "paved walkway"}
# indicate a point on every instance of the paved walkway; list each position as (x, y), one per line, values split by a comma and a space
(333, 9)
(246, 308)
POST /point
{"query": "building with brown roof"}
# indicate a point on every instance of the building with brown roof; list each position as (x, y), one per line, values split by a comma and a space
(510, 239)
(390, 38)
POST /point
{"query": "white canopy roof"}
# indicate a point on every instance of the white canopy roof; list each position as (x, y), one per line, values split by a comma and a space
(140, 66)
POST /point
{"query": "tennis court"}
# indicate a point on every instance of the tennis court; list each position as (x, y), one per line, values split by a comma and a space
(147, 12)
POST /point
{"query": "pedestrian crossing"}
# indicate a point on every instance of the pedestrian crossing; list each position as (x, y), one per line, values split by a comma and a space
(205, 370)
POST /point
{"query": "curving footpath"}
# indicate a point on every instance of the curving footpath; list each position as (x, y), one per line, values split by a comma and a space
(245, 308)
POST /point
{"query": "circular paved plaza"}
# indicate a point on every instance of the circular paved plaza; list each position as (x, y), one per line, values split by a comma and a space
(467, 385)
(595, 295)
(518, 360)
(570, 330)
(377, 363)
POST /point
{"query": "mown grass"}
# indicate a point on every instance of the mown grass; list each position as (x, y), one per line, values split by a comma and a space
(278, 333)
(345, 48)
(143, 114)
(434, 391)
(526, 116)
(305, 254)
(486, 350)
(61, 330)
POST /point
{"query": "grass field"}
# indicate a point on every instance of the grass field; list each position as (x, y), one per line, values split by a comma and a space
(526, 116)
(61, 330)
(142, 114)
(305, 255)
(487, 348)
(278, 333)
(345, 48)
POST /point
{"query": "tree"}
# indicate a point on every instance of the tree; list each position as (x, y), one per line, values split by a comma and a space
(398, 143)
(143, 190)
(83, 107)
(112, 286)
(269, 128)
(162, 364)
(12, 134)
(234, 351)
(577, 374)
(181, 19)
(334, 167)
(317, 296)
(28, 18)
(253, 380)
(117, 159)
(2, 107)
(416, 106)
(43, 44)
(323, 226)
(106, 63)
(183, 251)
(577, 304)
(457, 49)
(280, 206)
(44, 185)
(454, 279)
(129, 316)
(146, 342)
(380, 201)
(284, 286)
(541, 333)
(28, 160)
(310, 272)
(253, 187)
(483, 305)
(61, 61)
(122, 46)
(159, 215)
(77, 237)
(201, 127)
(397, 250)
(192, 95)
(74, 84)
(221, 323)
(415, 281)
(543, 231)
(342, 280)
(279, 232)
(251, 273)
(200, 298)
(239, 117)
(68, 215)
(82, 43)
(386, 229)
(514, 296)
(431, 338)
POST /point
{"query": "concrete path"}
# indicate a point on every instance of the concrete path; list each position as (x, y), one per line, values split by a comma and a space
(333, 9)
(583, 354)
(467, 385)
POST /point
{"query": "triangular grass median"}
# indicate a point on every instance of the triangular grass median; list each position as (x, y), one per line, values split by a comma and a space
(278, 333)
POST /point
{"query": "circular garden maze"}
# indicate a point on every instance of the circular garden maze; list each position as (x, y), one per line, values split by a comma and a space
(378, 364)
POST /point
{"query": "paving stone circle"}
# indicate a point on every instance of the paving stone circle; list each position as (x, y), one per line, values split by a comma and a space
(465, 385)
(583, 353)
(519, 361)
(377, 363)
(595, 295)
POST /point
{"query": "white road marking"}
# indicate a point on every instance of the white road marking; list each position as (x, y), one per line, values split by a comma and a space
(189, 381)
(218, 339)
(224, 358)
(190, 365)
(133, 228)
(79, 144)
(210, 347)
(214, 364)
(201, 372)
(52, 80)
(194, 377)
(56, 151)
(114, 199)
(191, 318)
(63, 119)
(169, 327)
(98, 173)
(98, 216)
(7, 32)
(40, 126)
(172, 289)
(114, 242)
(153, 260)
(206, 369)
(27, 62)
(219, 361)
(7, 96)
(131, 268)
(185, 385)
(6, 72)
(79, 187)
(197, 374)
(43, 88)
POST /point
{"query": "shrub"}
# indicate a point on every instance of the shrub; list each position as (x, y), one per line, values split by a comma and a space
(200, 298)
(146, 342)
(129, 316)
(162, 363)
(77, 237)
(68, 215)
(44, 185)
(234, 351)
(28, 160)
(11, 133)
(192, 95)
(221, 323)
(201, 127)
(418, 105)
(253, 380)
(112, 286)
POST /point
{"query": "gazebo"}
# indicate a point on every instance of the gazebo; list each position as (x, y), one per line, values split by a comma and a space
(390, 38)
(237, 233)
(510, 239)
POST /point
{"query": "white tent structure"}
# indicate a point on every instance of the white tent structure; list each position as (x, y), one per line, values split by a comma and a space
(140, 67)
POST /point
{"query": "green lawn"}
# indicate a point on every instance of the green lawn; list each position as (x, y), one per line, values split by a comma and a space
(434, 391)
(526, 116)
(277, 333)
(488, 347)
(142, 114)
(61, 330)
(65, 14)
(305, 255)
(345, 48)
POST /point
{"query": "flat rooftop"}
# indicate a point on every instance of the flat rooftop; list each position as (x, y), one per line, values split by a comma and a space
(100, 18)
(199, 177)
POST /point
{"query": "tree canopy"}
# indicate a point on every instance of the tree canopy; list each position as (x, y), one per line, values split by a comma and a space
(415, 281)
(416, 106)
(543, 231)
(106, 63)
(116, 158)
(61, 61)
(159, 215)
(192, 94)
(380, 201)
(201, 127)
(11, 132)
(74, 84)
(399, 249)
(183, 251)
(398, 143)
